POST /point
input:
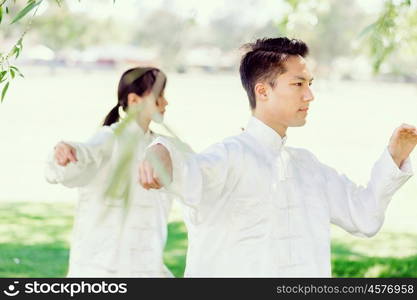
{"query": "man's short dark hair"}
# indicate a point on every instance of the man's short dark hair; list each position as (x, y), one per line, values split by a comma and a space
(264, 60)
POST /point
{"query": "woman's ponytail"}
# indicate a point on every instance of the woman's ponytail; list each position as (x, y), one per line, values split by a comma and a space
(112, 117)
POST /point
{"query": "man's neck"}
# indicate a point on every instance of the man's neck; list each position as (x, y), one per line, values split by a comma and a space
(278, 128)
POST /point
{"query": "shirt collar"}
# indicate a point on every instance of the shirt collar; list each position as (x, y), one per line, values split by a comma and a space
(134, 128)
(264, 134)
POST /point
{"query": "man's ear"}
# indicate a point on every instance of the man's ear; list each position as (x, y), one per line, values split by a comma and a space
(261, 91)
(133, 98)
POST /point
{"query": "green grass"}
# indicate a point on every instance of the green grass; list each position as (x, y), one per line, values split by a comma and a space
(347, 263)
(176, 248)
(34, 242)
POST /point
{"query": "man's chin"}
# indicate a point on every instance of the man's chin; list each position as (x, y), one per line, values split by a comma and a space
(299, 124)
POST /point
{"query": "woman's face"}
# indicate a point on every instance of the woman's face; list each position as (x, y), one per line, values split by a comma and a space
(161, 103)
(158, 111)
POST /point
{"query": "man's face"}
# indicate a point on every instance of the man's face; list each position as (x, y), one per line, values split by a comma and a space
(287, 102)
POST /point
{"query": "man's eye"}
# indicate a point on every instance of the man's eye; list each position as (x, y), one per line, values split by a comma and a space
(299, 84)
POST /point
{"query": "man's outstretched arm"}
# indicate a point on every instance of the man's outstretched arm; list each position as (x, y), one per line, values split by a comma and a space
(361, 210)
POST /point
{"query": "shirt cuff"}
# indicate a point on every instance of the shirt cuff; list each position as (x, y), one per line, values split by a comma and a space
(406, 169)
(56, 173)
(387, 178)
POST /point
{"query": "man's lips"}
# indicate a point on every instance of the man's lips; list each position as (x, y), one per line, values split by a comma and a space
(303, 109)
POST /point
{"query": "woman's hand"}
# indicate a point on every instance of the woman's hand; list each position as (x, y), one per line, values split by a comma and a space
(64, 154)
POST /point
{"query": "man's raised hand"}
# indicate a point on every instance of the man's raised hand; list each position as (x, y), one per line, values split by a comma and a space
(155, 171)
(402, 143)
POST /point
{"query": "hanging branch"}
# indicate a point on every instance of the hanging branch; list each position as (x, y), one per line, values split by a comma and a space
(383, 36)
(9, 71)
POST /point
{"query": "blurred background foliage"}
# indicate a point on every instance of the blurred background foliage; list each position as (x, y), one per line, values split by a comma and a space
(378, 36)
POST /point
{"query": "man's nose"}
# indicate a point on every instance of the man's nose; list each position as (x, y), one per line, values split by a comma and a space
(308, 96)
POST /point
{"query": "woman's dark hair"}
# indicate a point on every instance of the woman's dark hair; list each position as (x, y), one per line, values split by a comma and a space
(264, 60)
(137, 80)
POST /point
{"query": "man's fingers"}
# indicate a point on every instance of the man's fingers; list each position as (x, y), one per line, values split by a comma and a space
(408, 132)
(142, 176)
(155, 185)
(406, 128)
(147, 177)
(155, 180)
(158, 182)
(405, 125)
(148, 172)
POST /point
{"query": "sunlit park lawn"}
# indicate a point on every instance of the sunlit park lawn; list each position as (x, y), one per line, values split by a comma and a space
(35, 244)
(348, 126)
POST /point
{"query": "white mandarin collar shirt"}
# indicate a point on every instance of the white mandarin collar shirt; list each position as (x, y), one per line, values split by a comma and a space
(265, 135)
(255, 207)
(108, 241)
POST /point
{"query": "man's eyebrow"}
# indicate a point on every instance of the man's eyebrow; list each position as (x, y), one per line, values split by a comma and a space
(303, 78)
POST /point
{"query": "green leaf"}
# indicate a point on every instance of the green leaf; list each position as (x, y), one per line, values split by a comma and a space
(3, 93)
(17, 71)
(7, 10)
(1, 13)
(2, 73)
(25, 11)
(16, 51)
(17, 48)
(12, 73)
(367, 29)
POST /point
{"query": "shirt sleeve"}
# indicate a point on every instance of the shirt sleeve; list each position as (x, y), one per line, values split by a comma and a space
(90, 155)
(196, 176)
(361, 210)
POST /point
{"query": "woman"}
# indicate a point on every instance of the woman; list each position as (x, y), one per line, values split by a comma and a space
(113, 237)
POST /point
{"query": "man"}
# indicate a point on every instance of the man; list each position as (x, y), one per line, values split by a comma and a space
(259, 208)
